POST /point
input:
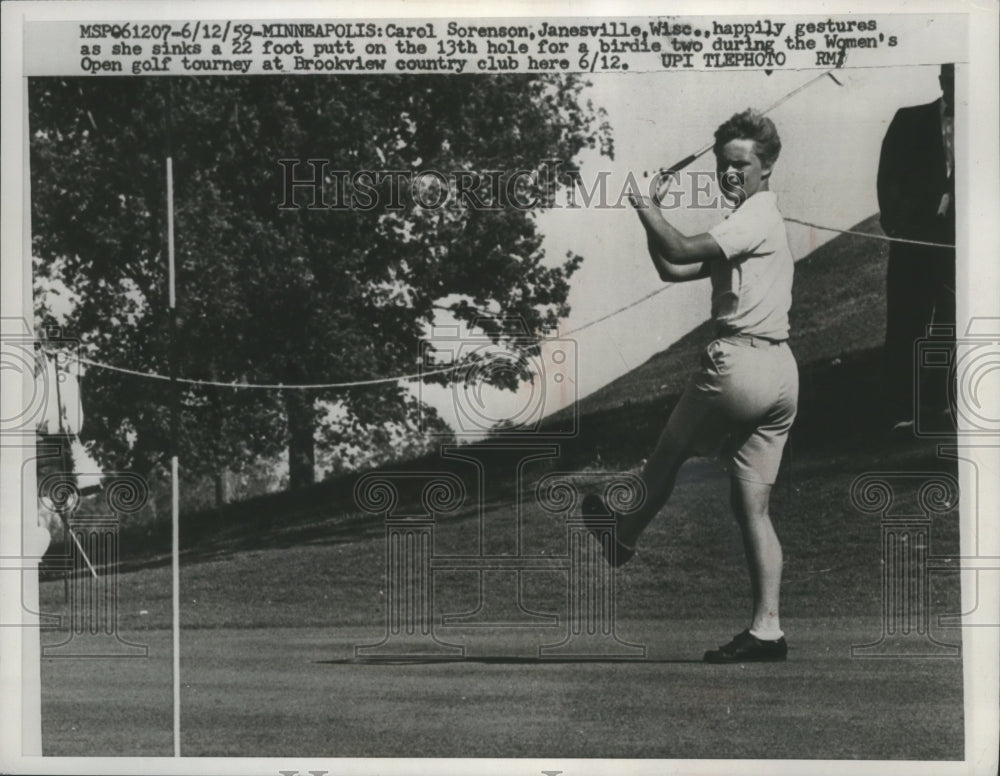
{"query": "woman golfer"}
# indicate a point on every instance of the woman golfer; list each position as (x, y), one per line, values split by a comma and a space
(743, 399)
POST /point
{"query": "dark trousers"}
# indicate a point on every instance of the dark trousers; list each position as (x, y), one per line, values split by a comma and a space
(920, 290)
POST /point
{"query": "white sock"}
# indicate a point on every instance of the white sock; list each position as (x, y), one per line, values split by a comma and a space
(767, 635)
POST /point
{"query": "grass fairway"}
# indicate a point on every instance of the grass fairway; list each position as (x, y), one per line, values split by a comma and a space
(281, 692)
(275, 596)
(269, 670)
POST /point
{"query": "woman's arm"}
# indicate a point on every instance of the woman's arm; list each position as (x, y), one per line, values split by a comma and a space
(675, 273)
(677, 257)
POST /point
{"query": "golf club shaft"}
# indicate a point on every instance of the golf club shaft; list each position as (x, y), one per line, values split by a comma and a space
(678, 166)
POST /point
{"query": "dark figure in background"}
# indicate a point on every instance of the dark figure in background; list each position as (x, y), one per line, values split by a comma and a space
(916, 196)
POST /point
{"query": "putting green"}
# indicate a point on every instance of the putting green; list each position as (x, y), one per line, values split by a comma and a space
(300, 691)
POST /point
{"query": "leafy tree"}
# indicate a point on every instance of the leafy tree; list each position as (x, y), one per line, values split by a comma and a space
(290, 295)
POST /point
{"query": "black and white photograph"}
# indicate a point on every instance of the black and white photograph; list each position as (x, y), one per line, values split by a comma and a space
(522, 388)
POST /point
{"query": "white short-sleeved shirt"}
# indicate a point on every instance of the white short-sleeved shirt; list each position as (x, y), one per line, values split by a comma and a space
(752, 287)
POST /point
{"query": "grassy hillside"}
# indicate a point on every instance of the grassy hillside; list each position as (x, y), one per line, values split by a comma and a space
(837, 322)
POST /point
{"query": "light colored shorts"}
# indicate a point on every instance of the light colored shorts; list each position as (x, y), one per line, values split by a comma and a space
(740, 406)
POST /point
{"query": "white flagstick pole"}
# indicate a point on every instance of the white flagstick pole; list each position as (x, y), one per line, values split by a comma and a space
(174, 489)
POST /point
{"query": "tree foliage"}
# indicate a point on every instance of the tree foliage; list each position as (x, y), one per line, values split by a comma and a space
(284, 296)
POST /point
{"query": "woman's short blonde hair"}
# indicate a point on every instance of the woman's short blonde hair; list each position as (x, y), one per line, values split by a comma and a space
(751, 125)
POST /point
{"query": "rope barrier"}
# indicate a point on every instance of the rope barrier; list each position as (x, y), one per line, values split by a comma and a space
(612, 314)
(260, 386)
(882, 237)
(418, 375)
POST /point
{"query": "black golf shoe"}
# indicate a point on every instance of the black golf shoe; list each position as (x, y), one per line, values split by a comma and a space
(747, 648)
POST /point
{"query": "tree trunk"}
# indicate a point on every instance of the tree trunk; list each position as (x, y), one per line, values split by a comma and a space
(221, 488)
(301, 410)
